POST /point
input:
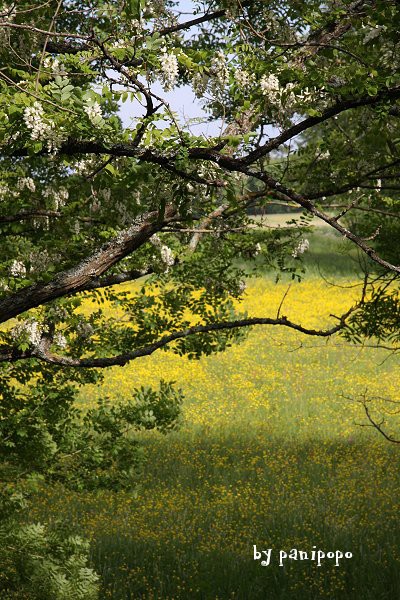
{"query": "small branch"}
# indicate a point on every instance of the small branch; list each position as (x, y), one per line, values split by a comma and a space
(197, 21)
(42, 352)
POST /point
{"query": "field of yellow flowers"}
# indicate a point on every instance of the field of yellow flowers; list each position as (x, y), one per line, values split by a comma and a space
(271, 452)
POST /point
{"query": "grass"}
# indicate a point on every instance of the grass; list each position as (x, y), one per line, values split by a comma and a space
(270, 452)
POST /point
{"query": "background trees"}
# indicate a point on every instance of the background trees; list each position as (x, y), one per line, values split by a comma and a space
(305, 100)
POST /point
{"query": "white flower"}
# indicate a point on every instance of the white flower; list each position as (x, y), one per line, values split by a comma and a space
(29, 329)
(257, 249)
(39, 260)
(324, 155)
(135, 24)
(169, 69)
(26, 182)
(61, 197)
(270, 87)
(93, 111)
(119, 44)
(54, 65)
(242, 286)
(301, 247)
(379, 184)
(242, 78)
(85, 166)
(219, 69)
(60, 340)
(167, 256)
(42, 130)
(17, 269)
(4, 190)
(155, 240)
(106, 194)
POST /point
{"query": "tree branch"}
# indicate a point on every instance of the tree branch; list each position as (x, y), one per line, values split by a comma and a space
(78, 278)
(43, 350)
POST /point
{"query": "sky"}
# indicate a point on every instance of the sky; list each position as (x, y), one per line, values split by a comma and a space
(182, 100)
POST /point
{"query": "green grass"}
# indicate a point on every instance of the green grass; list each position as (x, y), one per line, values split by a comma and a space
(269, 453)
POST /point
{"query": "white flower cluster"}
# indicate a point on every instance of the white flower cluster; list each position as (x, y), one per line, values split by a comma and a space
(55, 66)
(84, 330)
(257, 249)
(61, 197)
(301, 247)
(29, 329)
(4, 190)
(57, 196)
(60, 340)
(119, 43)
(242, 287)
(167, 256)
(324, 155)
(243, 78)
(270, 87)
(42, 130)
(84, 166)
(93, 111)
(17, 269)
(26, 182)
(136, 24)
(219, 68)
(39, 260)
(8, 12)
(169, 69)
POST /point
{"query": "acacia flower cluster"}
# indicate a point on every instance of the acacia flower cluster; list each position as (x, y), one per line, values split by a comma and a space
(26, 182)
(169, 69)
(167, 256)
(270, 87)
(30, 329)
(93, 111)
(301, 247)
(219, 68)
(60, 340)
(41, 129)
(17, 269)
(54, 65)
(243, 78)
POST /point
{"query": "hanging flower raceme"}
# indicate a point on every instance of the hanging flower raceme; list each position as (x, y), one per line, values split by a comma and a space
(17, 269)
(30, 330)
(270, 87)
(243, 78)
(169, 69)
(219, 70)
(42, 129)
(301, 247)
(93, 111)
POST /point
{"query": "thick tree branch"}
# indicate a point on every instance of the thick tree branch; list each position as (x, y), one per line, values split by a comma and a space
(206, 18)
(115, 279)
(336, 109)
(79, 277)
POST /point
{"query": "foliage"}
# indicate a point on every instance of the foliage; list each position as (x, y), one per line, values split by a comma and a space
(304, 102)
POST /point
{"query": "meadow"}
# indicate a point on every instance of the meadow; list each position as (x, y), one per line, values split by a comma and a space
(271, 452)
